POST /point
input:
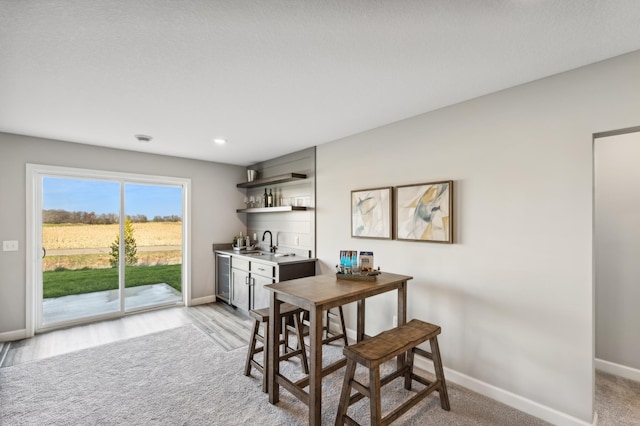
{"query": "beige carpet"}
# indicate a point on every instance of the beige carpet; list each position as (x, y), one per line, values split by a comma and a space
(181, 377)
(617, 400)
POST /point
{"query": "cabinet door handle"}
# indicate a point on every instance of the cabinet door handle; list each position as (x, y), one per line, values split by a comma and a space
(246, 280)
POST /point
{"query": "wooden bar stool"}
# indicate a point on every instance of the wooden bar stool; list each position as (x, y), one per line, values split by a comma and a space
(261, 316)
(387, 345)
(330, 335)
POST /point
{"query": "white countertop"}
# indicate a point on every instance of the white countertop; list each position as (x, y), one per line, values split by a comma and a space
(280, 258)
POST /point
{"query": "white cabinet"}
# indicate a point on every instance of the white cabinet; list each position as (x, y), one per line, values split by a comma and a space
(260, 274)
(248, 276)
(260, 294)
(248, 279)
(240, 288)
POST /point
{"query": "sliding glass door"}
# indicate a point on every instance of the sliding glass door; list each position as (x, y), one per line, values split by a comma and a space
(109, 244)
(79, 219)
(153, 245)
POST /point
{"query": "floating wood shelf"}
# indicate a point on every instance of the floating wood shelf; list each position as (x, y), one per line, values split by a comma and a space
(289, 177)
(272, 209)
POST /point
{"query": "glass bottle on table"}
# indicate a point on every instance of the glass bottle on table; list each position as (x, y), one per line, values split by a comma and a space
(355, 269)
(347, 264)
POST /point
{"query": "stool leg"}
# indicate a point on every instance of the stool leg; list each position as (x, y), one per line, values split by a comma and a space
(285, 332)
(303, 355)
(407, 375)
(346, 392)
(374, 397)
(328, 321)
(437, 365)
(265, 362)
(344, 328)
(252, 348)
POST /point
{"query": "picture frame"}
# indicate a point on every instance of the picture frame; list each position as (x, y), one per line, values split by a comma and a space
(371, 213)
(424, 212)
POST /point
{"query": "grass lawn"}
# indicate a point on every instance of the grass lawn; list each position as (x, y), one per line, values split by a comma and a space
(66, 282)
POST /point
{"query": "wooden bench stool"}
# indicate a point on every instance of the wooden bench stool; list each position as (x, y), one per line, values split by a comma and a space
(261, 316)
(387, 345)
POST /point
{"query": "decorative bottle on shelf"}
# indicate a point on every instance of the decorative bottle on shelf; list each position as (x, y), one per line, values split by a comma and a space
(266, 199)
(270, 199)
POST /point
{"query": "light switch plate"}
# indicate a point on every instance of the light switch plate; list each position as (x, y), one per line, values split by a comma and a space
(10, 245)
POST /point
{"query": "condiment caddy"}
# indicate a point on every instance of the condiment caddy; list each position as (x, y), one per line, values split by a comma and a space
(350, 269)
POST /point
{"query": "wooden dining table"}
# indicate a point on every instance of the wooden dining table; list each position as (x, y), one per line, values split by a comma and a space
(317, 294)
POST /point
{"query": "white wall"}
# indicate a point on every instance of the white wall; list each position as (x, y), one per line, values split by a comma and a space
(514, 294)
(617, 249)
(213, 203)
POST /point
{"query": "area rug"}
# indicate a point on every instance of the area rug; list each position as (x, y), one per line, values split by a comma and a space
(181, 377)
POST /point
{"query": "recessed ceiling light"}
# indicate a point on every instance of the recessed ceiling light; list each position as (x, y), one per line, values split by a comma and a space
(143, 138)
(220, 141)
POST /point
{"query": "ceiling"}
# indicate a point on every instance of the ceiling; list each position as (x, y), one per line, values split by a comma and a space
(276, 76)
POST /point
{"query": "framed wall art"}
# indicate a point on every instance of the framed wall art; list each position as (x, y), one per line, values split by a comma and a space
(424, 212)
(371, 213)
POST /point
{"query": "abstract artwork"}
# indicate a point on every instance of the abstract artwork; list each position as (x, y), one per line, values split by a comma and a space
(371, 213)
(424, 212)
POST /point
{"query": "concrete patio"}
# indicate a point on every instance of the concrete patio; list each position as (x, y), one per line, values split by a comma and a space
(67, 308)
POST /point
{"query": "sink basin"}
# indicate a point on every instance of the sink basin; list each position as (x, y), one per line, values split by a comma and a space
(265, 253)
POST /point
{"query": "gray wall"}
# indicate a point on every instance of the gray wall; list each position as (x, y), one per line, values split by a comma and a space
(213, 203)
(617, 249)
(514, 294)
(293, 232)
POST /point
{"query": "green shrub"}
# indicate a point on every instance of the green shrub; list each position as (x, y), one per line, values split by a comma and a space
(130, 247)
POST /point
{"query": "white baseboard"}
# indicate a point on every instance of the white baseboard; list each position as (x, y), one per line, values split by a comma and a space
(202, 300)
(618, 370)
(518, 402)
(10, 336)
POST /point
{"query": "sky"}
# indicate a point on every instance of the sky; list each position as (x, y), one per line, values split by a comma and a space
(101, 196)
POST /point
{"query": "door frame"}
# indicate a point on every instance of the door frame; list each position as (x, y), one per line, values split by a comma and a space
(598, 364)
(34, 176)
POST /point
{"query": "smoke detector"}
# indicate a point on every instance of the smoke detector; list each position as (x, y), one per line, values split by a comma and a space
(143, 138)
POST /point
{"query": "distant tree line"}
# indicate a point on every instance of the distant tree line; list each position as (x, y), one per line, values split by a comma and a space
(90, 218)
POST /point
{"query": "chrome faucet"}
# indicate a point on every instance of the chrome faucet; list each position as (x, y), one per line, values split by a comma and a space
(272, 249)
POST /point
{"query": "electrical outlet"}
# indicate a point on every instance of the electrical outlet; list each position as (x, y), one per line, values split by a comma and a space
(10, 245)
(395, 320)
(297, 240)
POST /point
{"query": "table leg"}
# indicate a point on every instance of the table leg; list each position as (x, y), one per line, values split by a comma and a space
(402, 303)
(402, 317)
(360, 322)
(315, 367)
(273, 367)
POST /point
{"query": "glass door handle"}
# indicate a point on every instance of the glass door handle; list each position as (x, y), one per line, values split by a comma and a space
(44, 252)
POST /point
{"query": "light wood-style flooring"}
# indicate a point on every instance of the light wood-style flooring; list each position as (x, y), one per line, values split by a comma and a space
(231, 330)
(228, 327)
